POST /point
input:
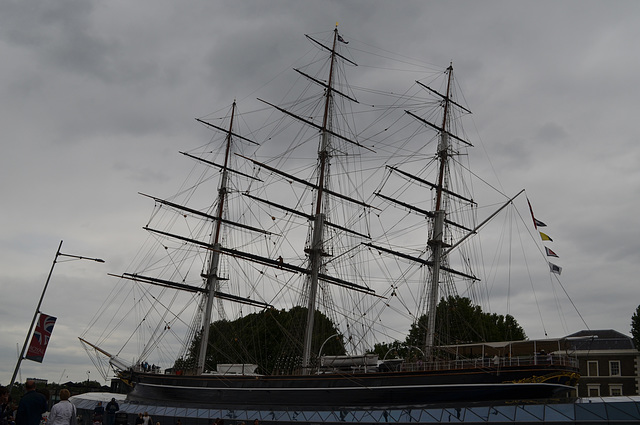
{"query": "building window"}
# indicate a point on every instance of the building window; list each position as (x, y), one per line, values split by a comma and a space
(614, 368)
(615, 389)
(593, 390)
(592, 368)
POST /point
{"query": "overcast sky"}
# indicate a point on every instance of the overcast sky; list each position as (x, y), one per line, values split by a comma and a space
(98, 98)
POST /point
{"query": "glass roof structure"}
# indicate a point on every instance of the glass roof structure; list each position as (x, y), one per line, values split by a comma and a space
(610, 410)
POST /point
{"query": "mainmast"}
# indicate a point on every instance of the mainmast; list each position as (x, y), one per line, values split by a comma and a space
(316, 250)
(319, 222)
(436, 242)
(212, 280)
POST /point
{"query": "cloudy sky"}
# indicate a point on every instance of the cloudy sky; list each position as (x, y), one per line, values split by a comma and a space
(98, 98)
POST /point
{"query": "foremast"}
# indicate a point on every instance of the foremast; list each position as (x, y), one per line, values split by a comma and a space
(210, 289)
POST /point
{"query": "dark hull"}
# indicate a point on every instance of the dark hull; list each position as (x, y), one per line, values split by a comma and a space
(364, 390)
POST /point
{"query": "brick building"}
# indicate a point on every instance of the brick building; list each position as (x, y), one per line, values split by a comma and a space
(608, 363)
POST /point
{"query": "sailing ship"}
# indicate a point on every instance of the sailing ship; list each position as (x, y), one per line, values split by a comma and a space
(333, 261)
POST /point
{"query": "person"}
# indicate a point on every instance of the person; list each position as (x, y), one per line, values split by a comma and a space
(63, 413)
(112, 408)
(31, 407)
(139, 420)
(146, 419)
(541, 356)
(5, 409)
(98, 412)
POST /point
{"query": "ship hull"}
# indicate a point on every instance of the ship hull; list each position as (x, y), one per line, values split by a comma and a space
(364, 390)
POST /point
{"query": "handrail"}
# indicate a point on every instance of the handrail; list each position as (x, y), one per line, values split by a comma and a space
(468, 363)
(495, 362)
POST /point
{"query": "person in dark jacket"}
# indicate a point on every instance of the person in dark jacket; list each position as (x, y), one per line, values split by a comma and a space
(112, 408)
(5, 409)
(98, 412)
(32, 406)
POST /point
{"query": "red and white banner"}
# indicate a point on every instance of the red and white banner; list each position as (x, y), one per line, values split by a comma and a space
(40, 338)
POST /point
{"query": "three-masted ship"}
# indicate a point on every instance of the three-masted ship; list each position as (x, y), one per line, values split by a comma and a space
(312, 380)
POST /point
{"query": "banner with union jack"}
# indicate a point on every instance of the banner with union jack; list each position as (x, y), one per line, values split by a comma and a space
(40, 338)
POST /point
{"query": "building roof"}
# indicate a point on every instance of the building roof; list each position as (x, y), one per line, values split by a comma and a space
(603, 339)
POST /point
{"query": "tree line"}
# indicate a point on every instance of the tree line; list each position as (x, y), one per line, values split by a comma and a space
(272, 338)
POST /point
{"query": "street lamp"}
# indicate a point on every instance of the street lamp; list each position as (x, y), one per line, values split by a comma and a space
(322, 346)
(417, 348)
(35, 314)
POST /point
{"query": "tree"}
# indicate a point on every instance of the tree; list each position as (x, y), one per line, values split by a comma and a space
(270, 339)
(389, 350)
(635, 328)
(458, 321)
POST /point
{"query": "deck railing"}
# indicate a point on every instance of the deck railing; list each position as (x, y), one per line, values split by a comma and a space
(473, 363)
(488, 362)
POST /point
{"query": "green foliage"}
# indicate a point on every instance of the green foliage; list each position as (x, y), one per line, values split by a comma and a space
(635, 328)
(458, 321)
(388, 349)
(396, 349)
(271, 339)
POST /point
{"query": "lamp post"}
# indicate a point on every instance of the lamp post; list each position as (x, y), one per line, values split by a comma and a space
(322, 346)
(35, 314)
(417, 348)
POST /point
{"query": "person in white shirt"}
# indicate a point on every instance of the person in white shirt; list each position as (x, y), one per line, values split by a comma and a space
(147, 419)
(63, 413)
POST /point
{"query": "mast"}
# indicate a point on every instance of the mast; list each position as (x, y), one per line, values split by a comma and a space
(212, 281)
(436, 242)
(316, 250)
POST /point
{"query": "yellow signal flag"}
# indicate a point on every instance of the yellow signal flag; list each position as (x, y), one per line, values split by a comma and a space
(545, 237)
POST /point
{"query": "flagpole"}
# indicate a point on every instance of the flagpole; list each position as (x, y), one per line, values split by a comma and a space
(35, 314)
